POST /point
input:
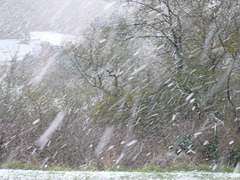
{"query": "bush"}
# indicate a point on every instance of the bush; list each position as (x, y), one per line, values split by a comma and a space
(210, 151)
(184, 142)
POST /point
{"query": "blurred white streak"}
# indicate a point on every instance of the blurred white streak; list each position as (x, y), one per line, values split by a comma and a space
(236, 169)
(42, 141)
(39, 76)
(120, 158)
(104, 140)
(131, 143)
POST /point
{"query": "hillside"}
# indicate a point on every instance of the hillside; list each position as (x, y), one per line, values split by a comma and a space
(155, 83)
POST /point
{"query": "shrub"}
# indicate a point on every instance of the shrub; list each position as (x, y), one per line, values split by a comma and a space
(210, 151)
(184, 142)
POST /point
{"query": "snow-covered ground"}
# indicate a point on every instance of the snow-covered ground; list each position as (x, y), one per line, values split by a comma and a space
(51, 37)
(15, 49)
(51, 175)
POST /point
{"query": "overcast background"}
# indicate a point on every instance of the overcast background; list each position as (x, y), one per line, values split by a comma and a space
(19, 17)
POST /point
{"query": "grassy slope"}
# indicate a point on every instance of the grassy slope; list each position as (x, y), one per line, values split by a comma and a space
(151, 168)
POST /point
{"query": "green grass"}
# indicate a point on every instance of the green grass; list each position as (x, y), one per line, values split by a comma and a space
(120, 169)
(18, 165)
(150, 168)
(187, 167)
(90, 167)
(59, 168)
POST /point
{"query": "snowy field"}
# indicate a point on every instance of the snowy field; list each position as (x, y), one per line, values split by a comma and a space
(51, 175)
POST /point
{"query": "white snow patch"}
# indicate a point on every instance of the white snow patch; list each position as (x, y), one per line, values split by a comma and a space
(69, 175)
(51, 37)
(12, 49)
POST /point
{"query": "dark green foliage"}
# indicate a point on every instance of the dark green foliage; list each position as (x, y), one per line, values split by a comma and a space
(184, 142)
(234, 156)
(210, 151)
